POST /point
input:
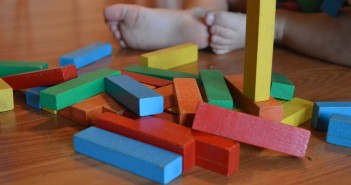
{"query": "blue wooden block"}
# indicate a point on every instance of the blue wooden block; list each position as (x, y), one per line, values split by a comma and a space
(323, 110)
(332, 7)
(339, 130)
(33, 96)
(134, 95)
(140, 158)
(86, 55)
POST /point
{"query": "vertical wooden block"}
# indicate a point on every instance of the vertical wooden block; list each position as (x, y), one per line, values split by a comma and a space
(86, 55)
(332, 7)
(33, 97)
(8, 68)
(150, 80)
(167, 93)
(41, 78)
(270, 109)
(171, 57)
(297, 111)
(251, 130)
(339, 130)
(135, 96)
(323, 110)
(75, 90)
(259, 49)
(187, 95)
(217, 92)
(282, 87)
(142, 159)
(6, 96)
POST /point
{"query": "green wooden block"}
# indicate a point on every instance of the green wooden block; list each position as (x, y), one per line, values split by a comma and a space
(309, 6)
(8, 68)
(217, 92)
(75, 90)
(282, 87)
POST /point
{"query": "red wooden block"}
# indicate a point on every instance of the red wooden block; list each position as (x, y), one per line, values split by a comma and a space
(130, 114)
(42, 77)
(167, 93)
(155, 133)
(65, 112)
(158, 82)
(270, 109)
(251, 129)
(167, 116)
(115, 108)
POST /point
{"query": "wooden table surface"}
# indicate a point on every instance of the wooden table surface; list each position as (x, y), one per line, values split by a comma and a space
(36, 146)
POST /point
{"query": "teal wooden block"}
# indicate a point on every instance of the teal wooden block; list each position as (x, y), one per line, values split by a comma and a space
(134, 156)
(73, 91)
(217, 92)
(8, 68)
(282, 87)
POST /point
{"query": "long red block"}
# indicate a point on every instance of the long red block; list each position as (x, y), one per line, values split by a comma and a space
(251, 129)
(167, 116)
(167, 93)
(270, 109)
(150, 80)
(41, 78)
(154, 133)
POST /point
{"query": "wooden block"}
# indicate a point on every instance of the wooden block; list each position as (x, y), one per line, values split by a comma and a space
(339, 130)
(154, 133)
(259, 49)
(216, 90)
(86, 55)
(167, 93)
(270, 109)
(75, 90)
(6, 96)
(50, 110)
(323, 110)
(149, 86)
(251, 130)
(130, 114)
(65, 112)
(139, 158)
(171, 57)
(115, 108)
(167, 116)
(8, 68)
(297, 111)
(332, 7)
(135, 96)
(308, 6)
(158, 82)
(187, 96)
(33, 97)
(41, 78)
(282, 87)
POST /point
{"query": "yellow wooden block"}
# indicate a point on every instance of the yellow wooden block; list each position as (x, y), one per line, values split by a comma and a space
(259, 49)
(297, 111)
(50, 110)
(171, 57)
(6, 96)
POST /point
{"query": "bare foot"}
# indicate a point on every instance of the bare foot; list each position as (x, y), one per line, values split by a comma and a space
(227, 31)
(144, 28)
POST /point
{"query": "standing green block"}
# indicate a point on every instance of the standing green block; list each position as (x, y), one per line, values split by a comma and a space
(216, 89)
(282, 87)
(75, 90)
(8, 68)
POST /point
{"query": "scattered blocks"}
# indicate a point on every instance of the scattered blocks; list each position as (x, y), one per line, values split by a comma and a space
(33, 97)
(297, 111)
(158, 82)
(8, 68)
(282, 87)
(217, 92)
(339, 130)
(332, 7)
(167, 93)
(41, 78)
(6, 96)
(251, 130)
(86, 55)
(142, 159)
(171, 57)
(135, 96)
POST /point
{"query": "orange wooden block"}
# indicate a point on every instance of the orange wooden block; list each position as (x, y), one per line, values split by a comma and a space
(114, 108)
(187, 96)
(65, 112)
(167, 116)
(149, 86)
(150, 80)
(270, 109)
(167, 93)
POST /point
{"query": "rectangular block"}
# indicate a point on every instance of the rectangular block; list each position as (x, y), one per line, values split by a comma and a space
(339, 130)
(167, 116)
(158, 82)
(282, 87)
(323, 110)
(45, 77)
(33, 97)
(216, 90)
(297, 111)
(187, 96)
(75, 90)
(251, 130)
(6, 96)
(332, 7)
(259, 49)
(8, 68)
(168, 97)
(139, 158)
(135, 96)
(154, 133)
(171, 57)
(116, 108)
(270, 109)
(86, 55)
(65, 112)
